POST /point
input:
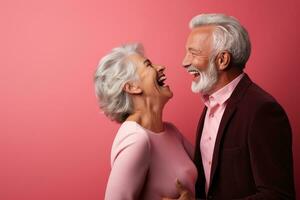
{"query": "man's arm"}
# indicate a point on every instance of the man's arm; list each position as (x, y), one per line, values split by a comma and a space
(270, 147)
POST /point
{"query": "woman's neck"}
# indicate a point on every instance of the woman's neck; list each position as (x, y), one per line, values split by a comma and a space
(148, 115)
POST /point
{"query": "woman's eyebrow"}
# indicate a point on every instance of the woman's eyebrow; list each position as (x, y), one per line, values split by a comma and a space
(147, 61)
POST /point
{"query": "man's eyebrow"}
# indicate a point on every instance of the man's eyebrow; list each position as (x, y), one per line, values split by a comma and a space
(194, 50)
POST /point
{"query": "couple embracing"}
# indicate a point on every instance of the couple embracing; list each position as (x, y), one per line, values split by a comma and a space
(243, 147)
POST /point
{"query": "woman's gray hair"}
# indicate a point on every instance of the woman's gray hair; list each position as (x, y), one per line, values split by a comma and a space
(113, 71)
(229, 35)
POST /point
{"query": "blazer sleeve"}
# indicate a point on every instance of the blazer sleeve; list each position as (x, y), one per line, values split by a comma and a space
(270, 147)
(130, 163)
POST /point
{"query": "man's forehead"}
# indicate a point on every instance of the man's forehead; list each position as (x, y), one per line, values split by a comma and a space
(200, 35)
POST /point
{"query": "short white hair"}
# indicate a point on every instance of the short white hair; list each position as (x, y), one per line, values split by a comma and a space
(229, 35)
(113, 71)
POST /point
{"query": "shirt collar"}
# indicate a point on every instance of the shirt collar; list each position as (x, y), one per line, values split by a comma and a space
(222, 95)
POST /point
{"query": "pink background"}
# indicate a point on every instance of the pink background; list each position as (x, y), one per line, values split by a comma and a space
(54, 142)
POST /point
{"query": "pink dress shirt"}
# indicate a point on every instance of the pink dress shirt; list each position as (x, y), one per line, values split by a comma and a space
(216, 104)
(145, 165)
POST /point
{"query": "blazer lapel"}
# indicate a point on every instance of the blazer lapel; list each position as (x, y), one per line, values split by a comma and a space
(200, 184)
(197, 154)
(232, 106)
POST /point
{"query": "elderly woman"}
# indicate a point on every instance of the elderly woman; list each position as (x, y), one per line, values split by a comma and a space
(148, 155)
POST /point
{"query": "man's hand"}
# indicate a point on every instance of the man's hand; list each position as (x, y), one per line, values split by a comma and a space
(184, 194)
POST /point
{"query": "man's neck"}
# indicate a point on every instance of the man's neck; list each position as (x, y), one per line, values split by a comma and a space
(224, 79)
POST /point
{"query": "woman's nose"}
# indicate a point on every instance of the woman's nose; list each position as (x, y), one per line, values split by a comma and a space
(160, 68)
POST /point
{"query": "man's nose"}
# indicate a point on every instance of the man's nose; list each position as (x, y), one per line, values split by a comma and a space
(186, 61)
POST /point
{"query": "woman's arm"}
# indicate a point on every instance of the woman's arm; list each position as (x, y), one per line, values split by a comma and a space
(130, 162)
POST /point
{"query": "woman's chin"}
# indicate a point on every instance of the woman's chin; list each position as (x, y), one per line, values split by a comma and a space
(166, 97)
(167, 92)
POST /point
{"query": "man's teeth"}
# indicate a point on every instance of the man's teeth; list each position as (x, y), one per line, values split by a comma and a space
(194, 72)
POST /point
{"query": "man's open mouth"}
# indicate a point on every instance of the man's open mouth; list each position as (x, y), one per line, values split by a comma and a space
(194, 73)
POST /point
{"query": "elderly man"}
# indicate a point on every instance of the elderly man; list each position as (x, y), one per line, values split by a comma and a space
(244, 139)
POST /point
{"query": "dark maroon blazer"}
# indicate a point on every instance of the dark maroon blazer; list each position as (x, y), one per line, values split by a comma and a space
(252, 158)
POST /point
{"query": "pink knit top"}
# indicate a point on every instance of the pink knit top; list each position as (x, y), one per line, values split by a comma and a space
(145, 165)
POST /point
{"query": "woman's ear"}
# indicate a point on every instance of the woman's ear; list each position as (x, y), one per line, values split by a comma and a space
(223, 60)
(132, 88)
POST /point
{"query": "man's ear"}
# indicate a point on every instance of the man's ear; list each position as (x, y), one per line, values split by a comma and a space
(223, 60)
(132, 88)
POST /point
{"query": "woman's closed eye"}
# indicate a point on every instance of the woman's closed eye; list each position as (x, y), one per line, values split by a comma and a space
(148, 63)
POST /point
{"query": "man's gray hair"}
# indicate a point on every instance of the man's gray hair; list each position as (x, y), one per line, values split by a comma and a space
(113, 72)
(229, 35)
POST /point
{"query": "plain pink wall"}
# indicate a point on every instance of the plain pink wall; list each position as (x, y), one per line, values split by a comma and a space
(54, 142)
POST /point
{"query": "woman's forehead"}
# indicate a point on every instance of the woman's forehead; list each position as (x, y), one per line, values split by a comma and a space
(138, 59)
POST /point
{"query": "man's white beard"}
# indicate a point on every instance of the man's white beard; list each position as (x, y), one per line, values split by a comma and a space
(206, 79)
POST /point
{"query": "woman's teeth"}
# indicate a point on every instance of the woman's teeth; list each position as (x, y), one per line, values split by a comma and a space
(161, 80)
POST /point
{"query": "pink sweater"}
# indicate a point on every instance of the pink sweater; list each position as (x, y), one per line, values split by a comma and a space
(145, 164)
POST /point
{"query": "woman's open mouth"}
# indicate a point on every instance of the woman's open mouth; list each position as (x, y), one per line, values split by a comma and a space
(161, 80)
